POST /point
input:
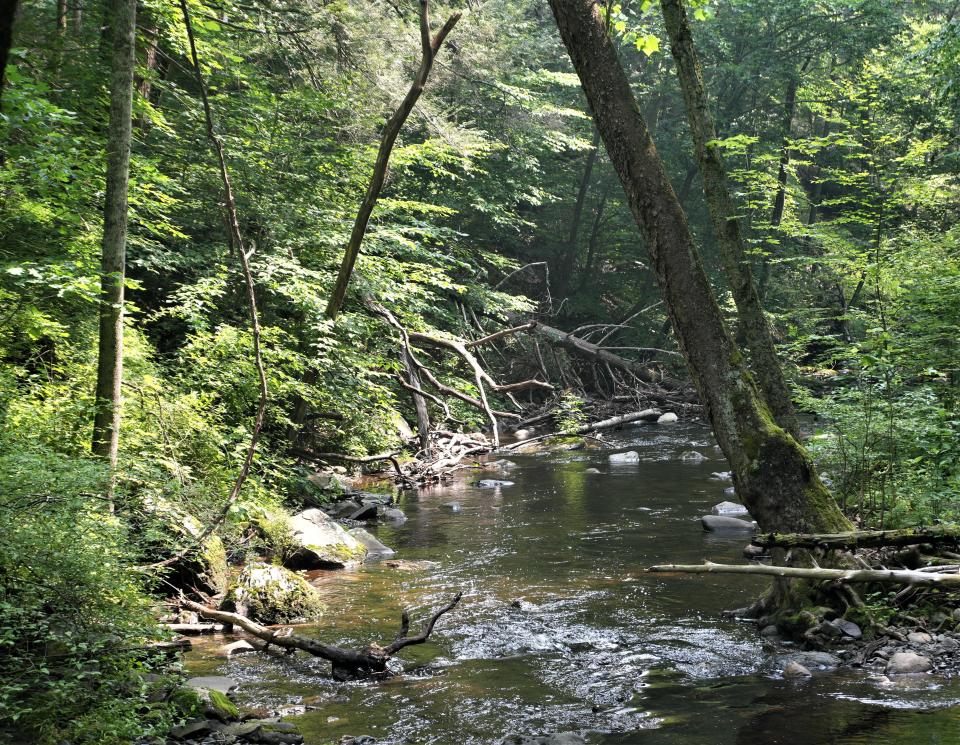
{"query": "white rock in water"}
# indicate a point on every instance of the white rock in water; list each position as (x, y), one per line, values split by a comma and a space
(591, 470)
(667, 418)
(729, 508)
(493, 483)
(523, 434)
(631, 456)
(692, 456)
(724, 524)
(795, 670)
(907, 663)
(722, 475)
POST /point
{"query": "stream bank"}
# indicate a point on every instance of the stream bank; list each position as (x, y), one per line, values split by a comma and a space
(560, 630)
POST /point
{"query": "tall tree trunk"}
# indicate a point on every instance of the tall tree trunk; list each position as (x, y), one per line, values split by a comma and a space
(77, 16)
(429, 48)
(569, 257)
(151, 56)
(723, 213)
(61, 16)
(419, 404)
(106, 426)
(773, 474)
(8, 14)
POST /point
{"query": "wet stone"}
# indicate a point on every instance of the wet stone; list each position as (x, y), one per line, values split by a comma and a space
(692, 456)
(795, 670)
(908, 663)
(219, 683)
(919, 637)
(723, 524)
(668, 418)
(729, 508)
(493, 483)
(631, 456)
(452, 506)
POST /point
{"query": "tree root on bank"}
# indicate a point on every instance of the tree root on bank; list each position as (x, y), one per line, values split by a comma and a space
(861, 538)
(880, 576)
(347, 664)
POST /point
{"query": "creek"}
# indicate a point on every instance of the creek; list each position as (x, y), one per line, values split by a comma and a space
(561, 630)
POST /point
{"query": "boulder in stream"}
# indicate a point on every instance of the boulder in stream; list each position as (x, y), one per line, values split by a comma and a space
(375, 549)
(320, 543)
(271, 594)
(668, 418)
(560, 738)
(908, 663)
(631, 456)
(392, 515)
(693, 456)
(724, 524)
(729, 508)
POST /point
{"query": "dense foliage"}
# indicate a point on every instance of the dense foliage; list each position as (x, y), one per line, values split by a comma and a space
(839, 119)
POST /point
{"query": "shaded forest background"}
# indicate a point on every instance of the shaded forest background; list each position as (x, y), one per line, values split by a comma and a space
(839, 124)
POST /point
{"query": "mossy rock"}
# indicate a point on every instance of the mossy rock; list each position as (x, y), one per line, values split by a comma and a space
(271, 594)
(321, 543)
(218, 706)
(187, 703)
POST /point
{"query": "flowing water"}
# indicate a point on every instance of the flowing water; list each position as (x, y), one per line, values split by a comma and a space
(561, 630)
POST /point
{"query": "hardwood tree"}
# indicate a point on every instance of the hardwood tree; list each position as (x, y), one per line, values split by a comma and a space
(8, 14)
(773, 474)
(106, 426)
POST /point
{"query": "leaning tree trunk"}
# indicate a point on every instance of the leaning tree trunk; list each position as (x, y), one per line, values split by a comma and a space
(773, 474)
(429, 49)
(723, 213)
(106, 425)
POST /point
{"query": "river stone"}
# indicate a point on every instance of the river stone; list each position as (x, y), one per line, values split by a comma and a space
(366, 511)
(753, 552)
(523, 434)
(271, 594)
(692, 456)
(723, 524)
(667, 418)
(730, 491)
(561, 738)
(493, 483)
(343, 508)
(189, 730)
(238, 647)
(848, 628)
(322, 543)
(919, 637)
(721, 475)
(631, 456)
(219, 683)
(729, 508)
(393, 515)
(375, 549)
(795, 670)
(812, 660)
(591, 470)
(908, 663)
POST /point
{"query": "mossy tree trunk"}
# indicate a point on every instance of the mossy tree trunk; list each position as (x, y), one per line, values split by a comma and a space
(773, 474)
(726, 227)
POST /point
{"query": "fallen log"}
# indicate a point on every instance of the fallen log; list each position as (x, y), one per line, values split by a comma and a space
(637, 416)
(883, 576)
(595, 352)
(861, 538)
(346, 664)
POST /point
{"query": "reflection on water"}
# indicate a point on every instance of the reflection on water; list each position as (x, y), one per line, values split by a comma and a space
(561, 630)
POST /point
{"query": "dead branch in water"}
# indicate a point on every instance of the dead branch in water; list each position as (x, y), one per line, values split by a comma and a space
(346, 664)
(882, 576)
(638, 416)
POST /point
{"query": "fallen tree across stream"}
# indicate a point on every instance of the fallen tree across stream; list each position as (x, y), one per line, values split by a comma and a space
(883, 576)
(647, 415)
(347, 664)
(861, 538)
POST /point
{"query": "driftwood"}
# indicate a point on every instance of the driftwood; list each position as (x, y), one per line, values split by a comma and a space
(638, 416)
(347, 664)
(861, 538)
(882, 576)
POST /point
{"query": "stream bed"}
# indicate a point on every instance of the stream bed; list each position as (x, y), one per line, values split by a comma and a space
(560, 629)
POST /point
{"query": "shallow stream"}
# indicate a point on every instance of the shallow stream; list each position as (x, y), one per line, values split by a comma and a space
(594, 645)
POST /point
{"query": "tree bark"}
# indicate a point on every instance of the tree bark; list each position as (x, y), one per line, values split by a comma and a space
(569, 257)
(772, 473)
(61, 16)
(106, 425)
(8, 14)
(419, 404)
(723, 213)
(429, 48)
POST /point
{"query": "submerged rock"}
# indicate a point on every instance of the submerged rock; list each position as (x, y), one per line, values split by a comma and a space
(271, 594)
(693, 456)
(631, 456)
(724, 524)
(452, 506)
(795, 670)
(322, 543)
(392, 515)
(493, 483)
(667, 418)
(375, 549)
(908, 663)
(729, 508)
(721, 475)
(591, 470)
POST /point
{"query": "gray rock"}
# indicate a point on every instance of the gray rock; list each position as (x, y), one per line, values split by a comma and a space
(322, 543)
(667, 418)
(503, 464)
(591, 470)
(359, 740)
(393, 515)
(561, 738)
(693, 456)
(908, 663)
(949, 645)
(813, 660)
(366, 511)
(238, 647)
(753, 552)
(193, 729)
(493, 483)
(721, 475)
(769, 631)
(919, 637)
(795, 670)
(452, 506)
(631, 456)
(956, 614)
(847, 628)
(344, 508)
(729, 508)
(730, 491)
(523, 434)
(218, 683)
(375, 549)
(723, 524)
